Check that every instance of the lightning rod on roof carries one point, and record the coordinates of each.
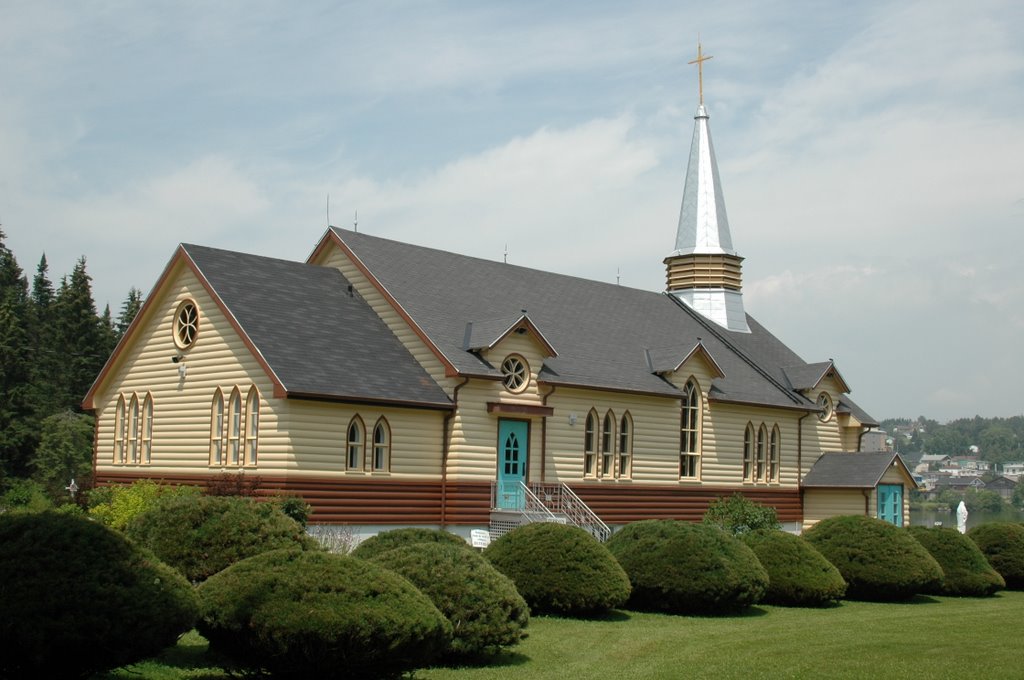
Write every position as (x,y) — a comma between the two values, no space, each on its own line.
(618,275)
(505,258)
(355,222)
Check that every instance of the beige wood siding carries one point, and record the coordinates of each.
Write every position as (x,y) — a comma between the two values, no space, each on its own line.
(821,504)
(181,408)
(319,436)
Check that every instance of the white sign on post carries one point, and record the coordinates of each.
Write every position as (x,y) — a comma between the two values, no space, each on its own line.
(480,538)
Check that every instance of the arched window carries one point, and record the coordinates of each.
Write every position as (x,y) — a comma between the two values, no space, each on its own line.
(608,445)
(762,442)
(356,442)
(773,455)
(252,425)
(132,435)
(589,443)
(748,453)
(689,432)
(381,446)
(234,426)
(625,445)
(119,428)
(147,429)
(217,429)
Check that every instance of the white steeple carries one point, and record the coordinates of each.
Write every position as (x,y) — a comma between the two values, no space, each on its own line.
(704,269)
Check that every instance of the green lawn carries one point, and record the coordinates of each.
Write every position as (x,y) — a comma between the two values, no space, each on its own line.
(927,638)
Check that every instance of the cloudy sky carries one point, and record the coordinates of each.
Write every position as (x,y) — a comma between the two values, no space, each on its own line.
(871,154)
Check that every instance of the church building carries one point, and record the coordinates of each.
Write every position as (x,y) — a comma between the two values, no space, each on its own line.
(392,384)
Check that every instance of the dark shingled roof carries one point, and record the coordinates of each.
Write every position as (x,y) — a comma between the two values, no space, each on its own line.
(319,340)
(861,470)
(604,333)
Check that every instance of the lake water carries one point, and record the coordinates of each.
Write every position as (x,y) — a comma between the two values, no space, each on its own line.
(948,519)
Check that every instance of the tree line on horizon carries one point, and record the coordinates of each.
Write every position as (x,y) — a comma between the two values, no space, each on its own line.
(999,440)
(53,344)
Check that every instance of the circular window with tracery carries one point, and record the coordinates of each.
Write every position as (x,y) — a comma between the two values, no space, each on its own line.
(515,373)
(825,407)
(186,324)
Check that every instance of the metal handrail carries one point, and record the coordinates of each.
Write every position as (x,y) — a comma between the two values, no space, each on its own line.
(561,499)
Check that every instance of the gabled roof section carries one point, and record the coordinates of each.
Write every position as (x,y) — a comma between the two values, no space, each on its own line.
(312,335)
(665,361)
(600,329)
(860,470)
(809,376)
(484,335)
(319,338)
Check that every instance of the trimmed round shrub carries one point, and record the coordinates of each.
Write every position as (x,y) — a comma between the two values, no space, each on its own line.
(302,614)
(879,561)
(77,598)
(687,568)
(201,535)
(965,571)
(482,604)
(560,569)
(399,538)
(1002,543)
(798,575)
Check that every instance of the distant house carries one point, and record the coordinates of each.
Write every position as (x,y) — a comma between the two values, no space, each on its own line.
(935,460)
(1004,486)
(1013,469)
(972,463)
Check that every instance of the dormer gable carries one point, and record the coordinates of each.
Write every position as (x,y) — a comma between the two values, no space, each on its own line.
(813,377)
(665,361)
(483,336)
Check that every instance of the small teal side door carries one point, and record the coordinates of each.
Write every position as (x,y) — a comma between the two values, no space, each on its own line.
(890,503)
(513,445)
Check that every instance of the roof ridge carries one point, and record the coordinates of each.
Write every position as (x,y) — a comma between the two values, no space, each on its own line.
(736,350)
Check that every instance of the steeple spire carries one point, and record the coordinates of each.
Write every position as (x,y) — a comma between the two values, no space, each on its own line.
(704,270)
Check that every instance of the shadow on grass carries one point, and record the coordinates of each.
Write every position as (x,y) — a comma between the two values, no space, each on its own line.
(499,660)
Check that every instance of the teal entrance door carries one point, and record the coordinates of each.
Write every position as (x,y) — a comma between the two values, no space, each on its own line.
(890,503)
(513,440)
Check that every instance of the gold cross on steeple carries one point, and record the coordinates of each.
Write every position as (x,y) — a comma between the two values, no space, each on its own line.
(699,61)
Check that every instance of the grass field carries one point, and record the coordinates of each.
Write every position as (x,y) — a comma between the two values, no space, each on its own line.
(926,638)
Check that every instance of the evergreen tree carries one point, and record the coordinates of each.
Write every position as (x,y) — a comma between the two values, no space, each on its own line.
(17,435)
(45,388)
(129,309)
(84,343)
(108,333)
(64,453)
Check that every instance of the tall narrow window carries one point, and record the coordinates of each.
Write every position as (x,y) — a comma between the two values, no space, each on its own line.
(589,442)
(608,445)
(381,446)
(689,432)
(773,455)
(234,426)
(762,437)
(133,429)
(252,425)
(217,429)
(119,428)
(748,453)
(147,429)
(625,445)
(354,456)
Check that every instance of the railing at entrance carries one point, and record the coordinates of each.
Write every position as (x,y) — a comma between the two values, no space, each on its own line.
(541,502)
(560,499)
